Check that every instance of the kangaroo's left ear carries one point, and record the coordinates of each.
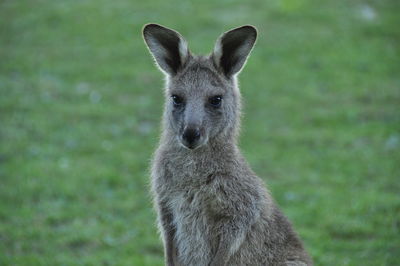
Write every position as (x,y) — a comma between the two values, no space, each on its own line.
(232,49)
(167,46)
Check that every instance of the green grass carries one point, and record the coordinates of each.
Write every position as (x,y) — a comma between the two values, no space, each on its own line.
(80,106)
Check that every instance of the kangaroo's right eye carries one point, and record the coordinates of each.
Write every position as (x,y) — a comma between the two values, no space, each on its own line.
(177,100)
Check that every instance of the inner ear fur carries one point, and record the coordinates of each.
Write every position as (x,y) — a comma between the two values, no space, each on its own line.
(167,46)
(232,49)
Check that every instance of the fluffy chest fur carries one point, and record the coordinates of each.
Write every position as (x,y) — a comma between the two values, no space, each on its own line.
(189,198)
(191,220)
(209,196)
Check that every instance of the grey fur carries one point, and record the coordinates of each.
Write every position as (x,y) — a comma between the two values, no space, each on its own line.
(212,209)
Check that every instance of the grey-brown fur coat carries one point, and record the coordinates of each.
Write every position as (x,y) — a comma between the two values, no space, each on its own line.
(212,209)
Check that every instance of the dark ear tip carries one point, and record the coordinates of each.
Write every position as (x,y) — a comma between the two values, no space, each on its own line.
(251,29)
(246,31)
(151,26)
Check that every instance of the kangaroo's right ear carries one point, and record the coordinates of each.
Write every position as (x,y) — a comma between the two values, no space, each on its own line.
(167,46)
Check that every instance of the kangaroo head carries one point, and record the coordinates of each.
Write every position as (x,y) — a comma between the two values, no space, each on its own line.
(202,98)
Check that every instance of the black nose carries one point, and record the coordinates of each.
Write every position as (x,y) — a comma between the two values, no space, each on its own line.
(191,135)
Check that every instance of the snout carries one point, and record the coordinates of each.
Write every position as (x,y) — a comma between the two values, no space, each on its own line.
(191,137)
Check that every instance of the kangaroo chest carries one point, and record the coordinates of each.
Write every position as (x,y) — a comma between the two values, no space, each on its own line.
(188,200)
(192,228)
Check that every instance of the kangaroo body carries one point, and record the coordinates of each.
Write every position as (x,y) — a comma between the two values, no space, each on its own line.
(212,209)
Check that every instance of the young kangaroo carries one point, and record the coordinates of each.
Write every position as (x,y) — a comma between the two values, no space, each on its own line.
(212,209)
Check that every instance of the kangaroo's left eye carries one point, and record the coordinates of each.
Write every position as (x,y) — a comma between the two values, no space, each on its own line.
(215,101)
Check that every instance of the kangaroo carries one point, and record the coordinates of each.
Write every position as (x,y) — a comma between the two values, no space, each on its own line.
(212,208)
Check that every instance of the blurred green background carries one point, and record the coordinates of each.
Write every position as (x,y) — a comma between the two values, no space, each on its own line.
(80,106)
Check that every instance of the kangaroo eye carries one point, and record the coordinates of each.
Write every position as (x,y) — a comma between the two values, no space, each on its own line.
(177,100)
(215,100)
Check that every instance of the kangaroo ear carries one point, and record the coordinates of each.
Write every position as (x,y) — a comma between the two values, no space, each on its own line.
(167,46)
(232,49)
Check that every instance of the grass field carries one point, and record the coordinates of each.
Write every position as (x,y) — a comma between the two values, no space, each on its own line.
(80,106)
